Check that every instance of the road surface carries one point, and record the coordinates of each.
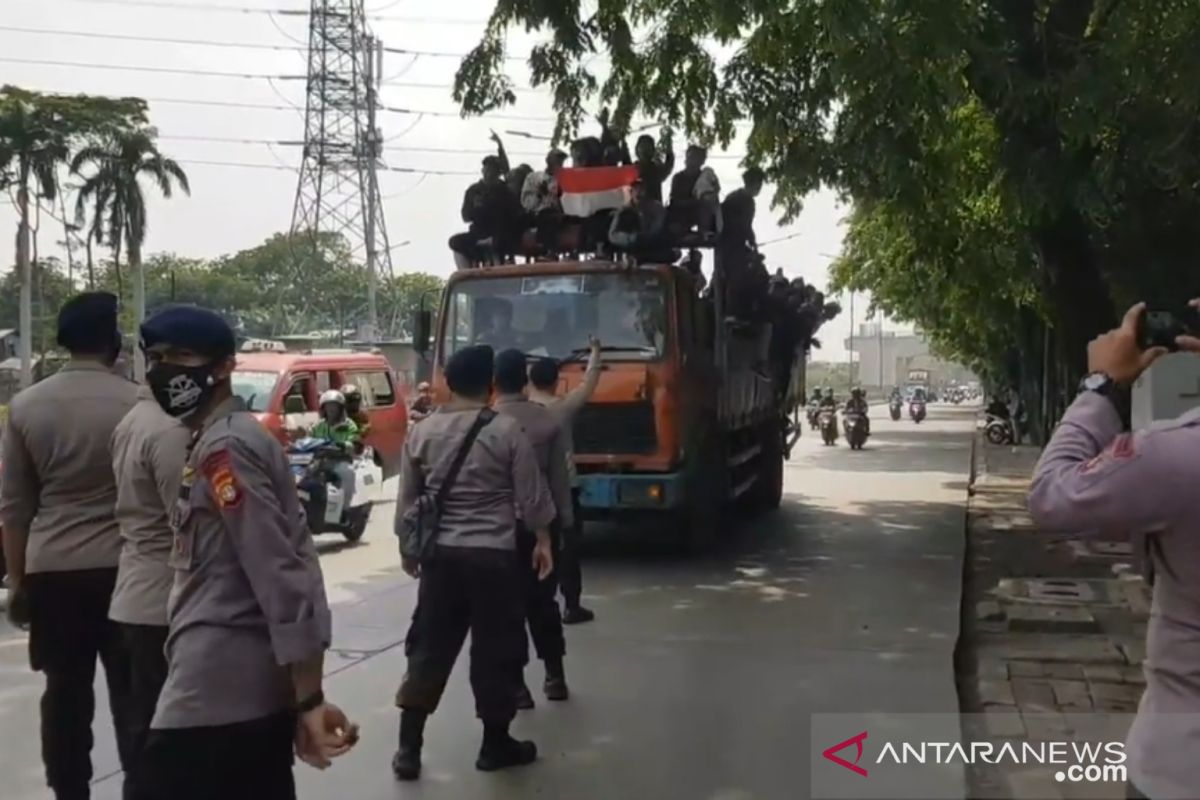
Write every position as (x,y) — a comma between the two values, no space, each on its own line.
(697,680)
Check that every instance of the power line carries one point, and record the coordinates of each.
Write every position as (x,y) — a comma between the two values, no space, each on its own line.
(160,70)
(153,39)
(191,6)
(283,168)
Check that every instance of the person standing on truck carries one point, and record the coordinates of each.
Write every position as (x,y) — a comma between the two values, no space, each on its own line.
(62,540)
(549,442)
(149,452)
(653,171)
(543,375)
(472,582)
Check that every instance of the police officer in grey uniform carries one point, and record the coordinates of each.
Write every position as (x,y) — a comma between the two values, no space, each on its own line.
(549,440)
(473,582)
(149,451)
(249,623)
(61,538)
(1094,477)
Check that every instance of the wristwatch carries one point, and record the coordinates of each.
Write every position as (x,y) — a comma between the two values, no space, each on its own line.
(313,701)
(1098,382)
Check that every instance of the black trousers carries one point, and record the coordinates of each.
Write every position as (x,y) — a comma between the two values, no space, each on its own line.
(570,573)
(243,761)
(147,673)
(467,589)
(69,629)
(541,609)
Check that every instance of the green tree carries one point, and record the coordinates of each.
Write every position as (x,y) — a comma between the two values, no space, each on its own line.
(1092,106)
(49,289)
(118,164)
(37,135)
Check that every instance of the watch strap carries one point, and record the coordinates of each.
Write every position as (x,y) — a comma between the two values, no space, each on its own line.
(313,701)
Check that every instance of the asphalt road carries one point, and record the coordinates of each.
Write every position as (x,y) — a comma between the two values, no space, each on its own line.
(698,679)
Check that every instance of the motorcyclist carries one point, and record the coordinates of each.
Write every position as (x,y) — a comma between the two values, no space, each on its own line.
(827,399)
(857,404)
(337,427)
(355,412)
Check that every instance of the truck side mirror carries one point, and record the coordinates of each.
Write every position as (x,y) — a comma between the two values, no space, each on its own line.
(422,330)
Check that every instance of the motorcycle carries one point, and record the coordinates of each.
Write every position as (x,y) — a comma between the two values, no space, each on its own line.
(895,407)
(829,428)
(916,411)
(856,430)
(321,494)
(999,430)
(814,413)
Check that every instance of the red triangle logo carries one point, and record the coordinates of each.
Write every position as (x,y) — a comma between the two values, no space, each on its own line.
(857,741)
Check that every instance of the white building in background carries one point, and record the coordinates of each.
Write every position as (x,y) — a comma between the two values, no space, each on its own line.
(885,357)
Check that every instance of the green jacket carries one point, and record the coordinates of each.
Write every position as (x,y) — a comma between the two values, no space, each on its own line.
(344,432)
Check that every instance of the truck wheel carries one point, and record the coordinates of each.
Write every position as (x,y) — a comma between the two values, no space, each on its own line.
(768,490)
(698,521)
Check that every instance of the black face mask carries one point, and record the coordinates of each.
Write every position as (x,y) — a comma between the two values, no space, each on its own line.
(181,390)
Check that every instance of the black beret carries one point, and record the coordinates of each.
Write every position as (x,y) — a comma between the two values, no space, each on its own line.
(87,320)
(190,328)
(469,370)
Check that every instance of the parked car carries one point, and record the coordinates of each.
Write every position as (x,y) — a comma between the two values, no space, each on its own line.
(282,389)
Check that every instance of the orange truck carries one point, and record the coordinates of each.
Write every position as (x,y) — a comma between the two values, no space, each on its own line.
(686,419)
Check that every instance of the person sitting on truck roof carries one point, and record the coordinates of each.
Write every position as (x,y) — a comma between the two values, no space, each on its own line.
(542,200)
(652,170)
(494,215)
(695,195)
(638,227)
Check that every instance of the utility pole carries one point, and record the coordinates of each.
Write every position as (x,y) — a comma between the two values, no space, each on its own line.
(25,315)
(850,371)
(338,191)
(880,351)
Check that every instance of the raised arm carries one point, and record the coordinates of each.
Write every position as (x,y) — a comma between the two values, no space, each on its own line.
(578,397)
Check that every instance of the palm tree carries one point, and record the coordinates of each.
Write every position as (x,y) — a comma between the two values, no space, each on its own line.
(119,207)
(32,146)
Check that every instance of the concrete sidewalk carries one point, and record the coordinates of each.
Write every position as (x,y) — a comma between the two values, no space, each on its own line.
(1054,625)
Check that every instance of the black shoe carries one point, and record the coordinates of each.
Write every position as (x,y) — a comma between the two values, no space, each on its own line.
(574,615)
(555,686)
(524,698)
(501,753)
(406,763)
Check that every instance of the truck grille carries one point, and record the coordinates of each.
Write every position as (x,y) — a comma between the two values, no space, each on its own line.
(615,429)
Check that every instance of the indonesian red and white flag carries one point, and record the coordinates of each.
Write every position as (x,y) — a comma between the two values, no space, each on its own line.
(586,190)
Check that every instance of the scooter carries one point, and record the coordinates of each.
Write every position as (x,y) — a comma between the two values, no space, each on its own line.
(829,428)
(916,410)
(814,413)
(894,408)
(999,430)
(856,430)
(320,490)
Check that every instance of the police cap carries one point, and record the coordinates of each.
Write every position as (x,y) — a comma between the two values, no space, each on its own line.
(190,328)
(88,322)
(469,371)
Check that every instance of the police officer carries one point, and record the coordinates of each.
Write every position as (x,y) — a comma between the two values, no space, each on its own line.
(249,623)
(473,581)
(543,377)
(62,541)
(550,446)
(1094,477)
(149,451)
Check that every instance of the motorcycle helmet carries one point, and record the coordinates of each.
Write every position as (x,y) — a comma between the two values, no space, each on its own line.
(351,393)
(332,396)
(857,393)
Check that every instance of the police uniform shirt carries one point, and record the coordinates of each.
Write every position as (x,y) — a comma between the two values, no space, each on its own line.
(149,451)
(549,441)
(1092,477)
(499,478)
(249,596)
(58,475)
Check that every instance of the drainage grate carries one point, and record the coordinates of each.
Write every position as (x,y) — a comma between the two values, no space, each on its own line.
(1061,589)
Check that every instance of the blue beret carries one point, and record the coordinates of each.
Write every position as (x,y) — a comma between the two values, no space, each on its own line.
(190,328)
(87,320)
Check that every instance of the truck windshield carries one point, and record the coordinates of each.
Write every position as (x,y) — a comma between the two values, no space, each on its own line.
(255,388)
(555,315)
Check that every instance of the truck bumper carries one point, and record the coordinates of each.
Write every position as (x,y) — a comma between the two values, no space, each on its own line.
(621,492)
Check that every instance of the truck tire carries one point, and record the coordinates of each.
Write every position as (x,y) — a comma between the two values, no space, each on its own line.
(699,520)
(768,489)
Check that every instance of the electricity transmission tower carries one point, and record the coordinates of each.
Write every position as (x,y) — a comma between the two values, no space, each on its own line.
(338,191)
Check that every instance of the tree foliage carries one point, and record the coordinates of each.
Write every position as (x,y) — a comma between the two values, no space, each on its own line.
(1006,158)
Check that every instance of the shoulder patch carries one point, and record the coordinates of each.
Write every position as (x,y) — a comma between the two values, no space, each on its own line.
(218,469)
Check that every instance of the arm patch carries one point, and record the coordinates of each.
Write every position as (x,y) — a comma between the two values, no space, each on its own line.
(226,490)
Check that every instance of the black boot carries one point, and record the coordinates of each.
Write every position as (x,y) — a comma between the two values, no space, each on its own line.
(556,681)
(406,764)
(577,615)
(500,750)
(524,697)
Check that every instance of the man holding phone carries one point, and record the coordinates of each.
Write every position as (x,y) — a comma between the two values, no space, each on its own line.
(1095,477)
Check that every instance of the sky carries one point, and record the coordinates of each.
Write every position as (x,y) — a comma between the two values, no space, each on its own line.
(243,191)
